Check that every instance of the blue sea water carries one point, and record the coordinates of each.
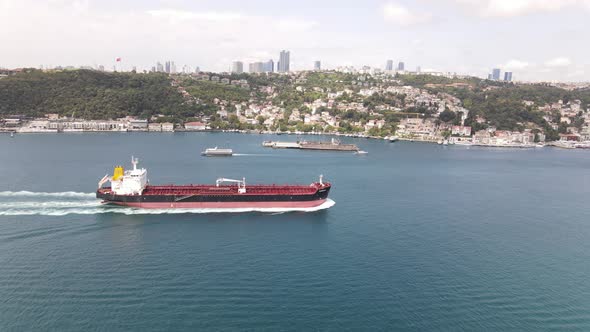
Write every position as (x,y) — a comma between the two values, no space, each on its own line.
(422,237)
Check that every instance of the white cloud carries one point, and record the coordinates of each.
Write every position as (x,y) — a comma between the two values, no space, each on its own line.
(401,15)
(295,25)
(142,36)
(515,65)
(558,62)
(510,8)
(182,15)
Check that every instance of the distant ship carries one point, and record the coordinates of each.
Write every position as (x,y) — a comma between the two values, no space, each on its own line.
(333,145)
(216,152)
(131,188)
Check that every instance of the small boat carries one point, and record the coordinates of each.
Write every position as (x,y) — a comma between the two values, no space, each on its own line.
(446,142)
(268,144)
(12,134)
(439,142)
(361,152)
(216,152)
(393,139)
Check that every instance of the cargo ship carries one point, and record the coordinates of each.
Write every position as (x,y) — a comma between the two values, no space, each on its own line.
(131,188)
(333,145)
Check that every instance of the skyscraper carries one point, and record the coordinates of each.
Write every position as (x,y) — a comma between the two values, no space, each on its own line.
(237,67)
(418,69)
(401,66)
(317,65)
(159,67)
(269,66)
(389,65)
(172,67)
(167,65)
(284,61)
(257,67)
(508,76)
(496,74)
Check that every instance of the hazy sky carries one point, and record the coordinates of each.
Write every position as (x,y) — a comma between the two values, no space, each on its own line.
(536,39)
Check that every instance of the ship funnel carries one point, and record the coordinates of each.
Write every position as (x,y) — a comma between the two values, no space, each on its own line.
(118,173)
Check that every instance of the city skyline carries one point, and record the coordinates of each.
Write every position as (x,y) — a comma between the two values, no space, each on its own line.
(494,34)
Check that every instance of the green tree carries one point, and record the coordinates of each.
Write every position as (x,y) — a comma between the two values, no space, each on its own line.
(447,116)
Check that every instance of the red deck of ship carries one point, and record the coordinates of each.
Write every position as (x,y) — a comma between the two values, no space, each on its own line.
(178,190)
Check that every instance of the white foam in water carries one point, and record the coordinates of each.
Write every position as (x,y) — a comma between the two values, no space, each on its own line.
(49,204)
(61,208)
(43,194)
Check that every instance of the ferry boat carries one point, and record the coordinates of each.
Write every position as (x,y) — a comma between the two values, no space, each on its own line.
(216,152)
(131,188)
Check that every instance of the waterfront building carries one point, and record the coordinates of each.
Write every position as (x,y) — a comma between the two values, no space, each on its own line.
(237,67)
(138,124)
(155,126)
(508,76)
(461,130)
(167,126)
(284,62)
(496,74)
(389,65)
(195,126)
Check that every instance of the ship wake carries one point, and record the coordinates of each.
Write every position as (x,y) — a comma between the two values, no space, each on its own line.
(27,203)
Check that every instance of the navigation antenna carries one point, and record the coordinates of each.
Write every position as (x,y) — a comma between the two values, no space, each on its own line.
(134,161)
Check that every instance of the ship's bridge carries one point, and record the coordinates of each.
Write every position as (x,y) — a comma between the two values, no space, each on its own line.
(131,182)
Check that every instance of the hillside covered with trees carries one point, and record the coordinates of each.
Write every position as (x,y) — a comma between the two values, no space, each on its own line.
(90,94)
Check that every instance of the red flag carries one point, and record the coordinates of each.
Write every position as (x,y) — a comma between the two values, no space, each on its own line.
(118,59)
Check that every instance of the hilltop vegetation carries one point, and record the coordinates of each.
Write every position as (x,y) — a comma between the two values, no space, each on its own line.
(90,94)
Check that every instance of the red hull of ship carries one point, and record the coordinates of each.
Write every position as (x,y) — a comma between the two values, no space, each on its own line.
(222,205)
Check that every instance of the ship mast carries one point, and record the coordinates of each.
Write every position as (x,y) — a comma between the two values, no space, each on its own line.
(134,161)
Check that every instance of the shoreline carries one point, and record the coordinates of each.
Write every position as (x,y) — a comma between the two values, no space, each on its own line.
(555,144)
